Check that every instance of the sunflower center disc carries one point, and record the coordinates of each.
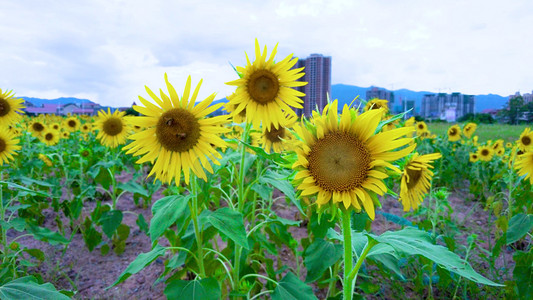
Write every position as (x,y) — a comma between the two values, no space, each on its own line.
(484,152)
(85,153)
(263,86)
(420,126)
(526,141)
(178,130)
(414,177)
(38,127)
(275,135)
(3,146)
(339,162)
(71,123)
(4,107)
(113,126)
(453,132)
(49,136)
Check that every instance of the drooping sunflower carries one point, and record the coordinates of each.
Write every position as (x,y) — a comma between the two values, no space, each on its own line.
(454,133)
(485,153)
(524,165)
(469,129)
(265,89)
(45,159)
(474,157)
(10,108)
(112,128)
(72,124)
(344,162)
(525,142)
(416,178)
(421,127)
(8,145)
(377,104)
(50,137)
(177,134)
(37,128)
(280,139)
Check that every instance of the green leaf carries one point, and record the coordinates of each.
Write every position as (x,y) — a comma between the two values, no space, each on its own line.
(110,220)
(47,235)
(91,237)
(104,178)
(166,211)
(140,263)
(230,223)
(28,288)
(319,256)
(134,188)
(413,241)
(25,190)
(204,289)
(523,273)
(37,253)
(519,225)
(141,222)
(291,287)
(280,182)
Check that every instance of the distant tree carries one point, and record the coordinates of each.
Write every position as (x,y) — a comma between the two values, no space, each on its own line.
(419,118)
(528,109)
(513,111)
(477,118)
(469,117)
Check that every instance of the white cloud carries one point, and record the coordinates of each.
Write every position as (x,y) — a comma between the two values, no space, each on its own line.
(109,50)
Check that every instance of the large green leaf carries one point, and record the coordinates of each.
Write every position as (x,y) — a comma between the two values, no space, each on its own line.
(412,241)
(110,220)
(280,182)
(47,235)
(134,188)
(230,223)
(140,263)
(166,211)
(519,225)
(291,287)
(205,289)
(28,288)
(319,256)
(523,273)
(24,190)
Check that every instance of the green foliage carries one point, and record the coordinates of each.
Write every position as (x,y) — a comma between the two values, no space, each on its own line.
(28,288)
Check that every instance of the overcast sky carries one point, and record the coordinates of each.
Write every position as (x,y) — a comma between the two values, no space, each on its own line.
(108,50)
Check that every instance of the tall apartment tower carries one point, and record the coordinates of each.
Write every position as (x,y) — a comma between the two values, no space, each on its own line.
(446,106)
(318,77)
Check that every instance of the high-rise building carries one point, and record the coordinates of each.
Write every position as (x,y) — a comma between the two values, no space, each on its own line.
(380,93)
(318,77)
(448,107)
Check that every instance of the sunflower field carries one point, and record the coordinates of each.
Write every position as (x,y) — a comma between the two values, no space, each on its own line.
(256,203)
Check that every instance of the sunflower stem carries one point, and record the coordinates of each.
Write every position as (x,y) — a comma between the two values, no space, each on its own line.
(347,285)
(2,215)
(197,233)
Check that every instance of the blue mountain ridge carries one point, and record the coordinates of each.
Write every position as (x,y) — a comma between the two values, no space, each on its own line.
(343,92)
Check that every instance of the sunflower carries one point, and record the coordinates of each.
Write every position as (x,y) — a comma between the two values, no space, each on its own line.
(421,127)
(485,153)
(415,181)
(55,126)
(8,145)
(50,137)
(85,128)
(454,133)
(10,108)
(72,124)
(45,159)
(37,128)
(265,89)
(280,139)
(344,162)
(377,104)
(86,153)
(469,129)
(500,151)
(497,145)
(65,134)
(524,165)
(474,157)
(525,142)
(112,128)
(230,108)
(508,145)
(177,134)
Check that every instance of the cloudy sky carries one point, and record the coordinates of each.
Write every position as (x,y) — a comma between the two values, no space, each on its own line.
(108,50)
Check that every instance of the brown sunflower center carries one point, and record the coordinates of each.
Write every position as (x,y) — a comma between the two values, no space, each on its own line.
(526,140)
(484,152)
(178,130)
(420,126)
(453,131)
(113,126)
(3,146)
(5,108)
(38,127)
(414,177)
(339,162)
(49,136)
(85,153)
(71,123)
(56,127)
(263,86)
(275,135)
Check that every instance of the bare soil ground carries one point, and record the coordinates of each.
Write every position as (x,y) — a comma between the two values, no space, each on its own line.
(90,273)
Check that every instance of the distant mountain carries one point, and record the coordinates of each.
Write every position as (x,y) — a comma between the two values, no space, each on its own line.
(346,93)
(62,100)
